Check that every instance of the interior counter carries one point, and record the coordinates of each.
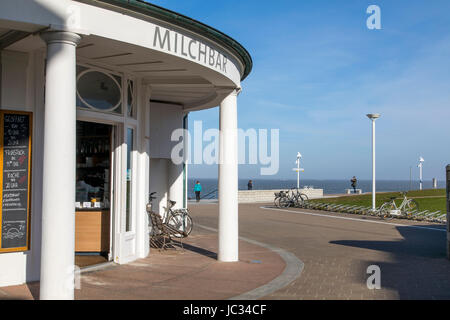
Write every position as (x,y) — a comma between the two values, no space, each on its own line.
(92,230)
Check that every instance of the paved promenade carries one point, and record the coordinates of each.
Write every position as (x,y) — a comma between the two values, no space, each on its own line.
(193,273)
(336,250)
(288,254)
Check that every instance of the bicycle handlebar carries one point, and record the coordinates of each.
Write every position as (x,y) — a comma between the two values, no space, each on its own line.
(151,197)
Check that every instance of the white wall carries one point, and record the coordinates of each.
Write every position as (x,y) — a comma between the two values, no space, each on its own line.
(164,119)
(166,178)
(22,90)
(159,170)
(14,81)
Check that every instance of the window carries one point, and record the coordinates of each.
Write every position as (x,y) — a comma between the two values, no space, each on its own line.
(130,99)
(129,178)
(99,90)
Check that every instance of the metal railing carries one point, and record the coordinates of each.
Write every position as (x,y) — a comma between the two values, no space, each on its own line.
(210,195)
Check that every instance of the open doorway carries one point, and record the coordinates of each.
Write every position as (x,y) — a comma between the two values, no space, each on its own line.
(93,193)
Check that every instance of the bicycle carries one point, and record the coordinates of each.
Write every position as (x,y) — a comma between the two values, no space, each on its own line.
(290,198)
(298,197)
(285,200)
(180,219)
(389,210)
(278,197)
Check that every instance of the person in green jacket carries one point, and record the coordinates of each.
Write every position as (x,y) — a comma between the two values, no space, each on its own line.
(197,189)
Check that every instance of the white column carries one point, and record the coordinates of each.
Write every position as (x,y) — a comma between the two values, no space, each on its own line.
(58,203)
(143,176)
(228,180)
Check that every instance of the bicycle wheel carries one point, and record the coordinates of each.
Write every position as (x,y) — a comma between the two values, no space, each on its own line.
(299,201)
(181,221)
(188,223)
(385,209)
(276,202)
(304,197)
(410,206)
(284,202)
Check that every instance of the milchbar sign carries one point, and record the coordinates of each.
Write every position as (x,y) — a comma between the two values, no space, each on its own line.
(15,180)
(179,44)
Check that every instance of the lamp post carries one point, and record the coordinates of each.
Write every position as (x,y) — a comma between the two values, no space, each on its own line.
(298,169)
(420,165)
(373,117)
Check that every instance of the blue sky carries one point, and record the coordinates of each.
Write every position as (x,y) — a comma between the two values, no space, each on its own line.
(318,71)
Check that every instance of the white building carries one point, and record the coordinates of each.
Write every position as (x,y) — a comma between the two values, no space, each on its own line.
(91,91)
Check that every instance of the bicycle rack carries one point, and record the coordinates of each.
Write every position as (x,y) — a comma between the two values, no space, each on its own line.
(435,216)
(417,213)
(428,214)
(441,216)
(356,209)
(344,209)
(432,216)
(337,207)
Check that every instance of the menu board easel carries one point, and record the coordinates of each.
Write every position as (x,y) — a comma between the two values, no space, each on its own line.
(15,180)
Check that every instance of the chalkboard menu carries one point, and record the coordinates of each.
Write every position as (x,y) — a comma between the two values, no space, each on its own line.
(15,180)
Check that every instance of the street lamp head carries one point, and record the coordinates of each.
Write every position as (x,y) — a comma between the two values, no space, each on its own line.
(373,116)
(299,155)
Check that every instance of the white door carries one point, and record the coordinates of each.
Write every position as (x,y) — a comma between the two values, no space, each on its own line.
(125,184)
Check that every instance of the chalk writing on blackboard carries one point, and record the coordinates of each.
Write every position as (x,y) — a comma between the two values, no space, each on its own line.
(15,172)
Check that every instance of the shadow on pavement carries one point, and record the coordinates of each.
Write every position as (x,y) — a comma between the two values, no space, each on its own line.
(199,250)
(175,245)
(418,268)
(416,242)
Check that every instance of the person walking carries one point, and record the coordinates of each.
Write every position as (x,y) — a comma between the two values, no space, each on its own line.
(353,181)
(250,185)
(197,189)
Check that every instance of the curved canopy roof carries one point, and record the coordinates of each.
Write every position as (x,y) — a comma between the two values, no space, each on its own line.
(180,20)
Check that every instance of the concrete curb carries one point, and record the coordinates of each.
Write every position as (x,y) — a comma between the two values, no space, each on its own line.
(293,270)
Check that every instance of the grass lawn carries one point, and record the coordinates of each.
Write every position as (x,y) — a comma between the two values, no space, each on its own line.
(432,199)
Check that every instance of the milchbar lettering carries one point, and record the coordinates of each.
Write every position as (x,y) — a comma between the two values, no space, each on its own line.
(190,49)
(161,41)
(200,52)
(166,39)
(212,54)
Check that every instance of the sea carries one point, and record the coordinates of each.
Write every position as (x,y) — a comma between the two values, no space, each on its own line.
(209,186)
